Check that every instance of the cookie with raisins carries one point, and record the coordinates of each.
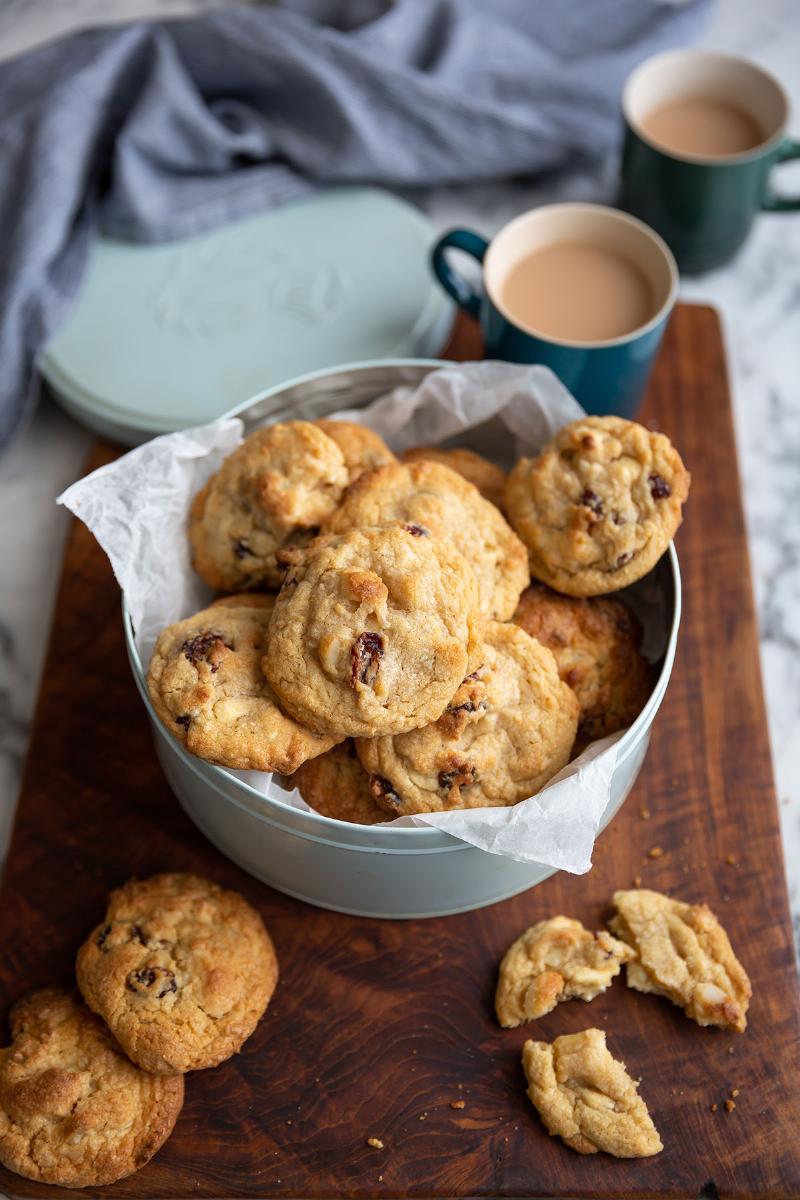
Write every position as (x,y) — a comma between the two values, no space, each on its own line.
(373,631)
(207,687)
(599,506)
(507,730)
(73,1109)
(272,491)
(180,970)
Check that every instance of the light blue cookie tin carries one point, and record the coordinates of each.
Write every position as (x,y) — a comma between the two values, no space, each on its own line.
(166,336)
(372,871)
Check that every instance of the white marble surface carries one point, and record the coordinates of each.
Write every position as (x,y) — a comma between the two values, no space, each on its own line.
(759,297)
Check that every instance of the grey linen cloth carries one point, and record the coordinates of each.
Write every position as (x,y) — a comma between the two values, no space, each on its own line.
(150,132)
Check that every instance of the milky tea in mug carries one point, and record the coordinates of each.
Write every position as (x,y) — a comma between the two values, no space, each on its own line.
(578,291)
(702,125)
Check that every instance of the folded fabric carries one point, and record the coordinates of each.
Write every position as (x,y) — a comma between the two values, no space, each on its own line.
(153,132)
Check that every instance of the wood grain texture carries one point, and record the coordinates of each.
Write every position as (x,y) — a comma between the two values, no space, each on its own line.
(376,1027)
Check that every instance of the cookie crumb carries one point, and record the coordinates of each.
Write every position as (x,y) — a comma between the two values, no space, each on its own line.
(423,1116)
(637,881)
(375,1143)
(731,860)
(730,1105)
(645,814)
(734,1093)
(457,1104)
(380,1179)
(655,852)
(713,1107)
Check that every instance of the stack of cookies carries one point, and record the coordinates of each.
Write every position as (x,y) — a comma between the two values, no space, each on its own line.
(179,972)
(377,636)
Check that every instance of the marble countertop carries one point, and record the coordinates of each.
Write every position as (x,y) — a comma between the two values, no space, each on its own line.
(758,296)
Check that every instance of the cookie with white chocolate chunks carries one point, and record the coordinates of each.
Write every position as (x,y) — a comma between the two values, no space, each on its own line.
(489,479)
(507,730)
(336,785)
(586,1097)
(599,505)
(683,953)
(362,448)
(274,489)
(552,961)
(181,971)
(73,1109)
(373,631)
(595,642)
(438,502)
(208,688)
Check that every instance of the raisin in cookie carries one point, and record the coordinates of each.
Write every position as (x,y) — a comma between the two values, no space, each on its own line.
(362,448)
(552,961)
(683,953)
(73,1109)
(373,631)
(180,970)
(586,1097)
(283,481)
(484,475)
(336,785)
(208,689)
(595,643)
(432,499)
(507,730)
(599,505)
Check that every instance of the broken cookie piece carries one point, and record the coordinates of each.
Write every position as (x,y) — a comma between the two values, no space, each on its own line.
(586,1097)
(683,953)
(552,961)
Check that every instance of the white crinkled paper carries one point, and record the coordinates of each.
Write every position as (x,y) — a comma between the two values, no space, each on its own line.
(137,508)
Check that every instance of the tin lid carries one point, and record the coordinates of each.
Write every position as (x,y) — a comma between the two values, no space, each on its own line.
(166,336)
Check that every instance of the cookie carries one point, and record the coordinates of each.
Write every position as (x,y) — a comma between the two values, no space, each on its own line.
(506,731)
(683,953)
(208,689)
(362,448)
(599,506)
(73,1109)
(436,500)
(336,785)
(595,643)
(484,475)
(373,631)
(264,600)
(180,970)
(586,1097)
(281,483)
(552,961)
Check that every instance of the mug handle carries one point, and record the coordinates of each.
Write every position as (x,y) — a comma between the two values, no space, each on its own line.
(772,202)
(472,243)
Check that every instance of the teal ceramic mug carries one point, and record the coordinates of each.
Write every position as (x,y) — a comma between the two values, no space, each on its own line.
(605,375)
(703,204)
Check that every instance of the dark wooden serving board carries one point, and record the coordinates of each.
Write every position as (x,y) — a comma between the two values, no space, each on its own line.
(378,1026)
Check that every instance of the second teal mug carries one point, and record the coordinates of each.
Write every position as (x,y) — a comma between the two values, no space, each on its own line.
(703,205)
(605,376)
